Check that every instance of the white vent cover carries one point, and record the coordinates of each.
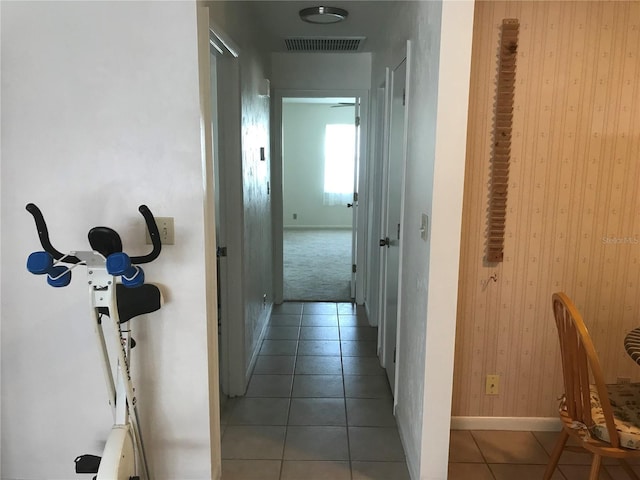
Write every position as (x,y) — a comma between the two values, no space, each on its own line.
(323,44)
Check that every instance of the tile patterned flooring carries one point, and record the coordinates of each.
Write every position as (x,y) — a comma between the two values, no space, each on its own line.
(500,455)
(318,407)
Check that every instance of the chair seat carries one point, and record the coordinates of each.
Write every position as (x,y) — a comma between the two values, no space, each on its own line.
(625,402)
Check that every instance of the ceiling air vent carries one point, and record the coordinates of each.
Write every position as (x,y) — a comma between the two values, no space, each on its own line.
(323,44)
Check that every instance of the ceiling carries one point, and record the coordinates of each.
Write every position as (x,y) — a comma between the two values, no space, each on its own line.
(368,19)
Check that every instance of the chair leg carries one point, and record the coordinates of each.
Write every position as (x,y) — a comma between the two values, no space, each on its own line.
(627,468)
(555,455)
(595,467)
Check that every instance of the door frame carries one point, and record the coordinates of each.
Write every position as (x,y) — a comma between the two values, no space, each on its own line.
(276,184)
(231,335)
(356,213)
(205,94)
(386,350)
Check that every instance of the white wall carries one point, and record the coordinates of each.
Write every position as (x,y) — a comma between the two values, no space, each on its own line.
(100,114)
(321,71)
(437,106)
(256,175)
(253,198)
(446,221)
(303,138)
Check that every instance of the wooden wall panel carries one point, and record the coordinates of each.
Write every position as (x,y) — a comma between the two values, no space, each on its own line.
(573,210)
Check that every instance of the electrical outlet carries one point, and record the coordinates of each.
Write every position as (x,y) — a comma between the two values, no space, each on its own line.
(491,387)
(166,230)
(295,216)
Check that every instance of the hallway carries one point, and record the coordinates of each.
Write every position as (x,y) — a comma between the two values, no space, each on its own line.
(318,405)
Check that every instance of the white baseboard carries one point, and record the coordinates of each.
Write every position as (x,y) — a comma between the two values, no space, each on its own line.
(412,459)
(528,424)
(266,315)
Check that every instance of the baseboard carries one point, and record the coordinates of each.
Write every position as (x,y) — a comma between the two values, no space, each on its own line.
(266,316)
(413,463)
(528,424)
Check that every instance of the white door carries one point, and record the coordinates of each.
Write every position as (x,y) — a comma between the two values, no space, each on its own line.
(225,96)
(220,223)
(377,204)
(393,221)
(354,203)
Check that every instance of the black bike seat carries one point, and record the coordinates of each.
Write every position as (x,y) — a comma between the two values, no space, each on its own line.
(132,302)
(105,240)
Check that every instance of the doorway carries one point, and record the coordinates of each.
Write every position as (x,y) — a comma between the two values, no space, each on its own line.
(392,221)
(316,176)
(226,145)
(318,165)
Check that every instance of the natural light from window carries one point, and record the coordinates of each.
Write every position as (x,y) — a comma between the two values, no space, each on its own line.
(339,163)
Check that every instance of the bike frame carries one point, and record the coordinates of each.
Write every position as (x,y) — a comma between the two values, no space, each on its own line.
(120,389)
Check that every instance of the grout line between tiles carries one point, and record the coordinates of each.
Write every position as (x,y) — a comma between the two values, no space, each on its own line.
(293,379)
(290,399)
(344,399)
(475,441)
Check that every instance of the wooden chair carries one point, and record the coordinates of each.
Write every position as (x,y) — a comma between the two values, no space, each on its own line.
(603,418)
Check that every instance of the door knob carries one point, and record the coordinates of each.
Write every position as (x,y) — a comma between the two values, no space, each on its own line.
(384,242)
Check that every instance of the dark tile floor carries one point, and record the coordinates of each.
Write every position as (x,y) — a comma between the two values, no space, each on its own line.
(318,405)
(501,455)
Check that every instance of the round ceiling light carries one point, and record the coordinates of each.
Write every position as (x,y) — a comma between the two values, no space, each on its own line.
(323,15)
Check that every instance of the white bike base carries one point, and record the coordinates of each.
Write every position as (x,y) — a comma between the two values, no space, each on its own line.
(118,459)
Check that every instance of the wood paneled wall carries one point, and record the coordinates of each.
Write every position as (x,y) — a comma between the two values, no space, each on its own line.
(573,209)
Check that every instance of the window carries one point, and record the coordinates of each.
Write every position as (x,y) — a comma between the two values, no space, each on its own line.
(339,163)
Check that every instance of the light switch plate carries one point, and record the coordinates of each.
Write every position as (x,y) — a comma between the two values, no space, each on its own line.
(166,230)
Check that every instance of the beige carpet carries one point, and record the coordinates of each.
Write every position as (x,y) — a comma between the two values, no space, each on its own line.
(317,265)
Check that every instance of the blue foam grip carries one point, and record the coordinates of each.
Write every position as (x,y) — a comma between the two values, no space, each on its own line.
(59,276)
(135,279)
(119,264)
(39,263)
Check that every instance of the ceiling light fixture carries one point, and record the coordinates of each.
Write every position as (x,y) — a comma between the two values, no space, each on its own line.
(323,15)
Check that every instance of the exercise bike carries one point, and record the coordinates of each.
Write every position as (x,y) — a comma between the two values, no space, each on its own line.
(124,456)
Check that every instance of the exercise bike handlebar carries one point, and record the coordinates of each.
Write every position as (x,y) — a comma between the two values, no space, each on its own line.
(43,235)
(152,227)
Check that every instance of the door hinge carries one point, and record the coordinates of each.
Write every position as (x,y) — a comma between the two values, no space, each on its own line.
(353,268)
(394,355)
(355,197)
(357,121)
(398,231)
(222,252)
(404,96)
